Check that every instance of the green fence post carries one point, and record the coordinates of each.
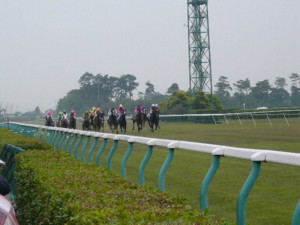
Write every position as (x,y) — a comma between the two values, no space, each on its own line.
(90,154)
(125,158)
(65,148)
(296,216)
(248,185)
(52,135)
(59,137)
(88,138)
(77,146)
(48,136)
(111,154)
(41,134)
(163,170)
(207,180)
(62,140)
(99,154)
(56,132)
(75,135)
(144,164)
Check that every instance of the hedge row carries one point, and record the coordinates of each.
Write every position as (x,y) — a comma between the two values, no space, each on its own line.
(21,141)
(54,188)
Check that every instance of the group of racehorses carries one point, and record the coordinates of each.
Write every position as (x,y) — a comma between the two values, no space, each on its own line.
(96,122)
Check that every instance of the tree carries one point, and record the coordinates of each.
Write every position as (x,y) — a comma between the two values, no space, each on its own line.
(37,111)
(150,90)
(124,86)
(223,87)
(280,82)
(295,79)
(172,88)
(243,86)
(86,79)
(279,97)
(201,101)
(295,96)
(261,92)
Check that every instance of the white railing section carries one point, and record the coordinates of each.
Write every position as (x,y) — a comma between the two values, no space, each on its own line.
(57,136)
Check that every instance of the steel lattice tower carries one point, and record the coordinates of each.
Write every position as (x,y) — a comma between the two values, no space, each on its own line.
(199,46)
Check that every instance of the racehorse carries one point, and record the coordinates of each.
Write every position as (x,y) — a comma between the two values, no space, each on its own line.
(72,122)
(112,122)
(86,123)
(99,121)
(122,123)
(64,123)
(144,119)
(92,126)
(137,118)
(58,122)
(49,122)
(154,121)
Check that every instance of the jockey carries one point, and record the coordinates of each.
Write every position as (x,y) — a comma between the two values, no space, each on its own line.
(112,111)
(157,108)
(121,110)
(154,109)
(92,111)
(60,115)
(143,109)
(73,113)
(138,109)
(98,110)
(48,114)
(86,115)
(65,114)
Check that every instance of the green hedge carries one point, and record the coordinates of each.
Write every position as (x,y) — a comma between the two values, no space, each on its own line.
(54,188)
(21,141)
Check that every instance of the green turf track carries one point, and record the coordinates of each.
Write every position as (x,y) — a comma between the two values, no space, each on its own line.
(273,198)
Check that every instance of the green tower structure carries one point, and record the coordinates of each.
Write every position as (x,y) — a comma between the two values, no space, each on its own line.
(200,78)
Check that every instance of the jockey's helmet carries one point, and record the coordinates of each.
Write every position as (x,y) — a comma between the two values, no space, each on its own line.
(120,105)
(65,111)
(49,113)
(72,111)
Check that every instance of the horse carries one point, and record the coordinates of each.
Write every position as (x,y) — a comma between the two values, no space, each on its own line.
(144,119)
(58,122)
(154,121)
(137,118)
(99,121)
(86,123)
(72,122)
(112,122)
(49,122)
(92,125)
(122,123)
(64,123)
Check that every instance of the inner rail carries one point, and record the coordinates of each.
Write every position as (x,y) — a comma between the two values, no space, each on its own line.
(57,137)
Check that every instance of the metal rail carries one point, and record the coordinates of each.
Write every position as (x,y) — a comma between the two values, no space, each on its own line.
(59,137)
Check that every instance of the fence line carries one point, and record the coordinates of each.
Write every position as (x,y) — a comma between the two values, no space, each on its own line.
(59,138)
(285,114)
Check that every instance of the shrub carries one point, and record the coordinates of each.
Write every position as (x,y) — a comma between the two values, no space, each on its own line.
(54,188)
(21,141)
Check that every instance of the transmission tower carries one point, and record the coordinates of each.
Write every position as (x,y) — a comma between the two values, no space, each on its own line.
(199,47)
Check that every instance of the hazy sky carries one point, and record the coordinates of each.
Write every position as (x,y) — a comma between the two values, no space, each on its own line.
(46,45)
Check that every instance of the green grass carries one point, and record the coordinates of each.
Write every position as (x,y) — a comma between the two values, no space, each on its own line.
(276,193)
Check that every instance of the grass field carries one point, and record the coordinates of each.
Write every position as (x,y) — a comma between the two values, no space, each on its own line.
(273,198)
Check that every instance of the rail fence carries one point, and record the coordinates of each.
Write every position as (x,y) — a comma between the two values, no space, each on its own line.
(227,118)
(72,141)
